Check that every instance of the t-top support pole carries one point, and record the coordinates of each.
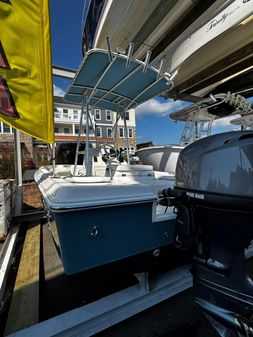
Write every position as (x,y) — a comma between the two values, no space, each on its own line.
(53,158)
(79,136)
(88,166)
(126,137)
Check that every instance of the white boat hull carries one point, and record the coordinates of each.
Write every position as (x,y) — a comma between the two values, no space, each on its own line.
(162,158)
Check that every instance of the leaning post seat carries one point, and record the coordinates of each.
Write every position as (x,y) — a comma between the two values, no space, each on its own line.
(213,194)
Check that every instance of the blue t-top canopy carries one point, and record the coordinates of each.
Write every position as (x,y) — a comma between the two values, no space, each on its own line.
(115,84)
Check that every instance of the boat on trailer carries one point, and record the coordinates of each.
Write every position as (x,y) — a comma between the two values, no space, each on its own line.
(114,215)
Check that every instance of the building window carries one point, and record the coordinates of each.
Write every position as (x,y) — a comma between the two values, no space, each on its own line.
(130,133)
(126,114)
(66,130)
(57,115)
(98,132)
(56,130)
(76,131)
(6,128)
(97,114)
(121,132)
(75,114)
(65,113)
(109,132)
(108,115)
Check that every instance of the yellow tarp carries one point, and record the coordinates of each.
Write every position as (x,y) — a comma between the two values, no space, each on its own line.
(26,91)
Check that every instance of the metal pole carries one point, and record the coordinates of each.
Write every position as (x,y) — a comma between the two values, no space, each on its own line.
(53,156)
(79,137)
(18,158)
(18,173)
(147,59)
(129,54)
(87,166)
(115,131)
(126,138)
(109,49)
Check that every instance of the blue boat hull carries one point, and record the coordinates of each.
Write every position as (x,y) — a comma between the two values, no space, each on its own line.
(96,236)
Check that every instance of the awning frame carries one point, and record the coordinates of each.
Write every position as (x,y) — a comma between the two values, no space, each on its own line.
(154,82)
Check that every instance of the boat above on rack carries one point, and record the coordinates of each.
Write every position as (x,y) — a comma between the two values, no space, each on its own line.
(208,42)
(112,215)
(199,117)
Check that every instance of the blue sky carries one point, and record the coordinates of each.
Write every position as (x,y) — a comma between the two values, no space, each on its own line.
(152,118)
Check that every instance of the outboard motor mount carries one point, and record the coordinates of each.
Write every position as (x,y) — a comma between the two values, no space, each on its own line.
(213,195)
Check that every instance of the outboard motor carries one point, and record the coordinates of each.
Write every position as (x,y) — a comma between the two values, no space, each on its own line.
(213,195)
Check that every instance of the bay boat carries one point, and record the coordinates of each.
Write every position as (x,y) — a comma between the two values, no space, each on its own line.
(111,216)
(161,157)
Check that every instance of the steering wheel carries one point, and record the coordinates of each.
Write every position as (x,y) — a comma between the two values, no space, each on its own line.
(108,152)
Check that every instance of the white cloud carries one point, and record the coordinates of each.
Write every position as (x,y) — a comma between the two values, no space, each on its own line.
(58,91)
(154,107)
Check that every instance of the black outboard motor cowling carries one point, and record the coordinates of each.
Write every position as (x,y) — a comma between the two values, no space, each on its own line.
(214,198)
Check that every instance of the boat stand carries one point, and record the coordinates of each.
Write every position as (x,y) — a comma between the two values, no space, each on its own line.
(95,317)
(89,319)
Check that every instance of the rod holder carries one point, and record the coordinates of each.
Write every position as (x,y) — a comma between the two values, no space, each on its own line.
(248,106)
(109,49)
(146,62)
(129,54)
(160,68)
(173,75)
(213,98)
(227,97)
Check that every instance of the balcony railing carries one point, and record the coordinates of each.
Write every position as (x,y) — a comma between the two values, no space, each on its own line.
(69,118)
(72,134)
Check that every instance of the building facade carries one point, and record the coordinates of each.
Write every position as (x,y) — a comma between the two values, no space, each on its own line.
(66,121)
